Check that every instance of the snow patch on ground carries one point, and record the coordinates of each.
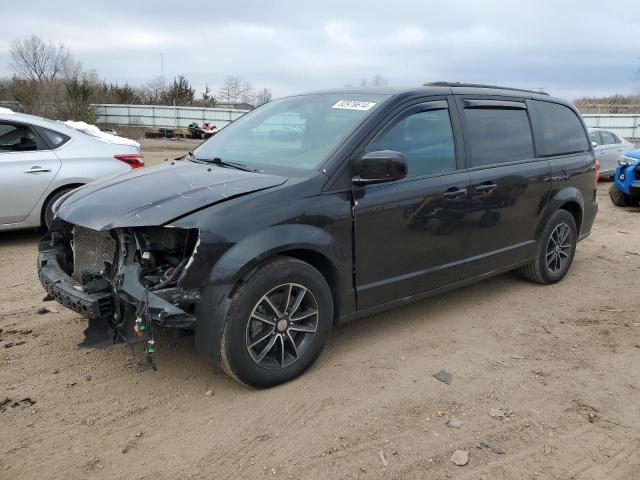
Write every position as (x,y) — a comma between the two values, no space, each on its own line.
(100,135)
(7,111)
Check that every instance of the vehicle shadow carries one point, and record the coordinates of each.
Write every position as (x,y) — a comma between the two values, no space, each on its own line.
(180,355)
(15,238)
(358,333)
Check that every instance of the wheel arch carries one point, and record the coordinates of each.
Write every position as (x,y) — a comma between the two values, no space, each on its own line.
(58,189)
(307,243)
(324,265)
(576,211)
(569,199)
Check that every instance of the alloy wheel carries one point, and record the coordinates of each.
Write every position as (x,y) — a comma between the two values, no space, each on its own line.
(282,326)
(559,248)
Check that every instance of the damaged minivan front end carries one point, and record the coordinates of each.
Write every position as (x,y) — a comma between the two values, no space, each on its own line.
(124,279)
(115,254)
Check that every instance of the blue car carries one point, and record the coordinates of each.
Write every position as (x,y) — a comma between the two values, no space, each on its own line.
(625,190)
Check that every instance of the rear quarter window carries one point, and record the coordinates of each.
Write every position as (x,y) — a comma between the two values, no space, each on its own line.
(561,130)
(55,139)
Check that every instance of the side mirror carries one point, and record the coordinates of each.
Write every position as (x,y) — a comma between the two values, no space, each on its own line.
(595,144)
(379,167)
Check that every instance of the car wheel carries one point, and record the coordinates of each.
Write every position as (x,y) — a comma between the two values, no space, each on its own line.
(277,323)
(47,214)
(555,250)
(618,197)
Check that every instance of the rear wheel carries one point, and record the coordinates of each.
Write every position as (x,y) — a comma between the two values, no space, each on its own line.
(47,213)
(555,250)
(277,324)
(618,197)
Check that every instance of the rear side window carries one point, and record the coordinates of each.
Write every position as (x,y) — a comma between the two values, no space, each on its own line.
(561,129)
(498,135)
(55,139)
(607,138)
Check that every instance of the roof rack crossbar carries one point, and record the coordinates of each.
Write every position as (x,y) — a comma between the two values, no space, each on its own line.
(479,85)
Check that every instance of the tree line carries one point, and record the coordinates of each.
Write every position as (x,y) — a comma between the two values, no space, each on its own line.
(610,104)
(49,82)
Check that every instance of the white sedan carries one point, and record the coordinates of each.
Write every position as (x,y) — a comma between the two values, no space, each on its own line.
(41,160)
(609,148)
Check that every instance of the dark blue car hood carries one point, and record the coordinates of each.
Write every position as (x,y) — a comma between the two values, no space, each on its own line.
(157,195)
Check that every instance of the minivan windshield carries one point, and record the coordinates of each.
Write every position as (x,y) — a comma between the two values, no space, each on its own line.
(289,136)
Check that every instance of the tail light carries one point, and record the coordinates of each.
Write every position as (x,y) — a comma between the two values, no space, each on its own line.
(134,160)
(597,171)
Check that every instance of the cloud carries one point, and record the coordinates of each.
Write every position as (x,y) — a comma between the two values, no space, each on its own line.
(292,46)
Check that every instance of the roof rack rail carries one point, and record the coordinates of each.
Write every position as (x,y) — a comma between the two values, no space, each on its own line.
(479,85)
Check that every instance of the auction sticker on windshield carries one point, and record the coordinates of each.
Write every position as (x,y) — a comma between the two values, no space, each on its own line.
(353,105)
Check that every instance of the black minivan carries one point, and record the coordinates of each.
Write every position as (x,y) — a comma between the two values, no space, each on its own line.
(319,208)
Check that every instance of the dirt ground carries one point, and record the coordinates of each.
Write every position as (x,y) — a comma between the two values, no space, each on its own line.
(559,364)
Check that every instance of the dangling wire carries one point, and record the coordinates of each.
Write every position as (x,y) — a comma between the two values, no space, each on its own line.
(151,343)
(143,328)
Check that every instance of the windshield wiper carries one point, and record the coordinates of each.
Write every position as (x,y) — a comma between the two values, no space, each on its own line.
(224,163)
(227,163)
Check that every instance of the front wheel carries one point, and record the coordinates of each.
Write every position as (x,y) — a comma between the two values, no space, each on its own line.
(278,322)
(618,197)
(555,250)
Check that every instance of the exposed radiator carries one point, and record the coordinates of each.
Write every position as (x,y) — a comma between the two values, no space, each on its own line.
(91,249)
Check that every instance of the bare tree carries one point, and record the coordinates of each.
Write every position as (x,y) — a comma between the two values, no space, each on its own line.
(33,59)
(379,81)
(231,90)
(376,81)
(247,94)
(263,96)
(154,91)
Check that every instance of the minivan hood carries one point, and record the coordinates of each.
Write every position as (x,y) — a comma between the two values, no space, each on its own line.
(156,195)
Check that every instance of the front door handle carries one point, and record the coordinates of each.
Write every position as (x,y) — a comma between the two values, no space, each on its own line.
(37,169)
(485,187)
(455,193)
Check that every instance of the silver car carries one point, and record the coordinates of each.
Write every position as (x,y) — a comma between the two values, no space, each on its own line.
(609,148)
(41,160)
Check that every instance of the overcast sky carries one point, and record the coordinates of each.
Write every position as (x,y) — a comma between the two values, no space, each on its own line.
(569,48)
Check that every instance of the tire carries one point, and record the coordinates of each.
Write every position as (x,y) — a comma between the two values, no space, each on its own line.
(47,211)
(552,261)
(252,325)
(618,197)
